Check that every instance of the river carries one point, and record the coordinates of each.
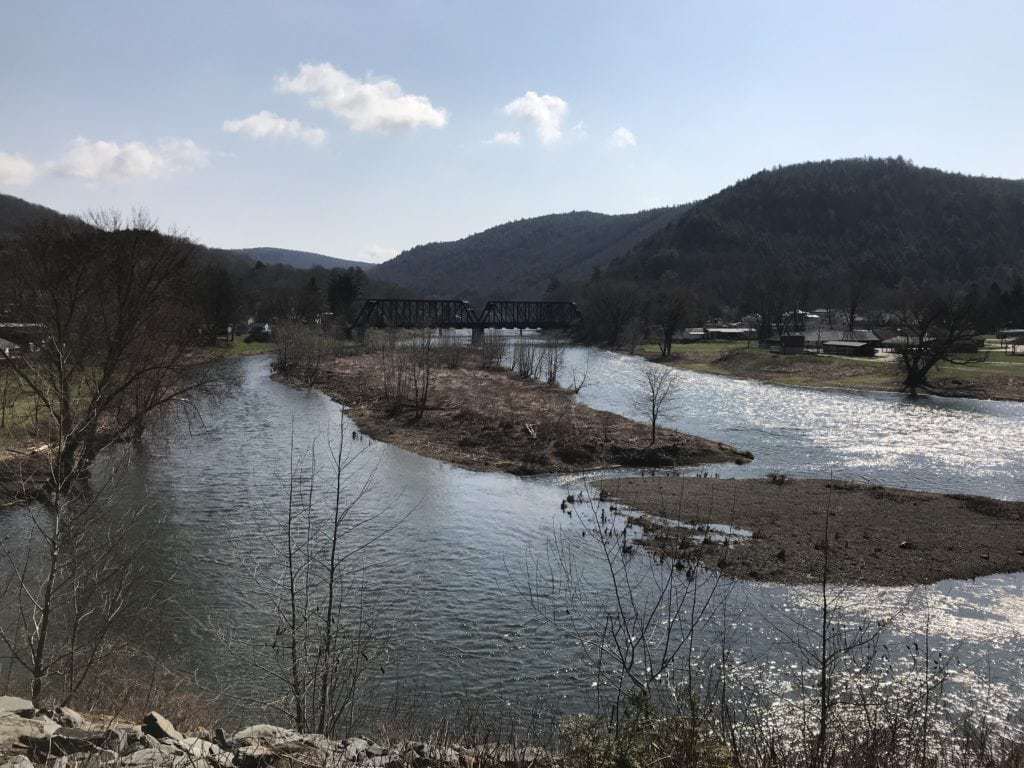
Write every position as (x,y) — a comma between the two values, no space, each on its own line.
(447,572)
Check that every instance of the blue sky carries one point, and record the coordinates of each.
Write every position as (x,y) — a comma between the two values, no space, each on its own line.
(421,121)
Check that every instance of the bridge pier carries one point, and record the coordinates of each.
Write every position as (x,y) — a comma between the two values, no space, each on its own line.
(477,336)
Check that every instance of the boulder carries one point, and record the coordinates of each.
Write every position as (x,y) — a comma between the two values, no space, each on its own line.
(14,728)
(71,741)
(160,755)
(16,705)
(254,756)
(262,734)
(67,717)
(160,727)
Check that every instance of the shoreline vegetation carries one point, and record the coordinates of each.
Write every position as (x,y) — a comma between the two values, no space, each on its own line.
(491,419)
(878,535)
(998,377)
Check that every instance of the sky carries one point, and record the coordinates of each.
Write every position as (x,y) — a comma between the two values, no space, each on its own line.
(361,129)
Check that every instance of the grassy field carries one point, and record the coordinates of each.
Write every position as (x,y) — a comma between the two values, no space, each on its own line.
(238,348)
(998,376)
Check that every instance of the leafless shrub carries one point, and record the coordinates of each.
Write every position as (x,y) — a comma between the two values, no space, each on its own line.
(302,351)
(527,361)
(493,349)
(315,669)
(552,360)
(452,351)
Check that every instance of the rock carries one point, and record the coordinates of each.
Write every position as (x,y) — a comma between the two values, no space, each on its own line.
(263,734)
(137,740)
(375,750)
(160,755)
(99,759)
(16,705)
(223,741)
(18,761)
(14,728)
(254,756)
(160,727)
(72,741)
(66,717)
(201,749)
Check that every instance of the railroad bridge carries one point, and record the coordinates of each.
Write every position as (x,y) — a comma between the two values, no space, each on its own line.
(456,313)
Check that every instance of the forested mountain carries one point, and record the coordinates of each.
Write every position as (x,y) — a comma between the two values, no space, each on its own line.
(299,259)
(522,259)
(233,284)
(833,225)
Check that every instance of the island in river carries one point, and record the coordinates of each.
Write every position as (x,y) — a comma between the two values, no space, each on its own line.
(490,419)
(876,535)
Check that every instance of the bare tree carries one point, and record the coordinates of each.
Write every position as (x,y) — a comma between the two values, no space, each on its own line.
(671,310)
(934,328)
(658,395)
(68,589)
(115,300)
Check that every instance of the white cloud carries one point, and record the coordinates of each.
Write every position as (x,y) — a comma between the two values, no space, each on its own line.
(15,170)
(266,124)
(622,138)
(108,160)
(546,112)
(364,104)
(505,137)
(376,253)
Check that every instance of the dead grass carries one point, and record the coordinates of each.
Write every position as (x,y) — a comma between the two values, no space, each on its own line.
(998,376)
(491,420)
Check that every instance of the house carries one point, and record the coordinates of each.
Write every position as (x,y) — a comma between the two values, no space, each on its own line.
(729,333)
(818,339)
(849,348)
(791,344)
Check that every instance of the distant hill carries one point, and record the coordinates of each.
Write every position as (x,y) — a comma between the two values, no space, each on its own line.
(522,258)
(16,213)
(882,221)
(299,259)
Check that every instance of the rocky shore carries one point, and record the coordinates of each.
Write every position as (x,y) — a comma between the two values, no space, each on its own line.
(63,738)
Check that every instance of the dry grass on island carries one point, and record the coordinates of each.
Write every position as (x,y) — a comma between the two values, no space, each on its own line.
(882,536)
(482,417)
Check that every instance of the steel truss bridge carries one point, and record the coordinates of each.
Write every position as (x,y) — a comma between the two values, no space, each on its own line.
(455,313)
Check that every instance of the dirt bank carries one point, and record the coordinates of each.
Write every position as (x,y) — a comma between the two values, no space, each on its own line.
(492,420)
(878,535)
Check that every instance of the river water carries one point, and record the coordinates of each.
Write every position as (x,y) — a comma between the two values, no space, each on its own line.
(447,573)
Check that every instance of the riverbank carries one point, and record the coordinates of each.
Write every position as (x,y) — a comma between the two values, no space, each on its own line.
(881,536)
(999,377)
(489,419)
(31,737)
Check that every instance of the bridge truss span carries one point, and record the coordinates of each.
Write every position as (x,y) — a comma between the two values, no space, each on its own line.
(456,313)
